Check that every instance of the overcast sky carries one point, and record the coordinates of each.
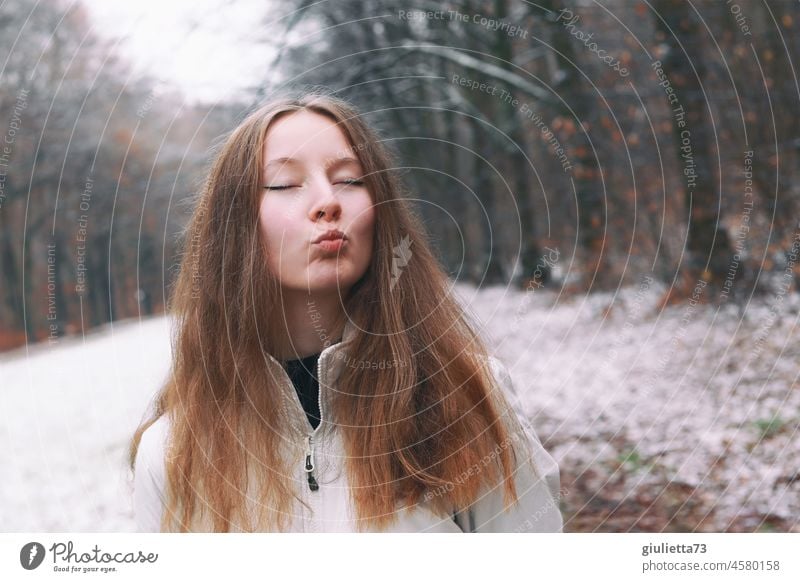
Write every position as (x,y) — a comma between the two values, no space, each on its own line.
(207,48)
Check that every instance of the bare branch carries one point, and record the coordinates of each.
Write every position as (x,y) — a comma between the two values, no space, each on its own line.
(485,68)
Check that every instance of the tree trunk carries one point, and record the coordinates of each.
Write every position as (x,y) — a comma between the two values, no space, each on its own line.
(708,245)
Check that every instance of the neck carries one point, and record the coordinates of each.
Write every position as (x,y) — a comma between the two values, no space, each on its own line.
(313,321)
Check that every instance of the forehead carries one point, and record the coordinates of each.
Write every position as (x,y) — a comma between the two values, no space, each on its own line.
(306,136)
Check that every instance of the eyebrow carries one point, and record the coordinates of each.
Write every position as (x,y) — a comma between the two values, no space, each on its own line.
(331,163)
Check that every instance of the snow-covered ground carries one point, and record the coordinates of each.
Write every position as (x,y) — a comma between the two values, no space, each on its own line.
(67,412)
(695,396)
(699,397)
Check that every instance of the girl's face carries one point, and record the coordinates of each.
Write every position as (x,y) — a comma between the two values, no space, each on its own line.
(313,186)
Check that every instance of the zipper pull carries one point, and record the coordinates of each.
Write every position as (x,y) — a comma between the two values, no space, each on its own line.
(309,468)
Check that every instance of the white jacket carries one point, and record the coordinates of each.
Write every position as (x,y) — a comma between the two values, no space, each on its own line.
(331,510)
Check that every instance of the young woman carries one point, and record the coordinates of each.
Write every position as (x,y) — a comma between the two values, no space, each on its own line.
(324,377)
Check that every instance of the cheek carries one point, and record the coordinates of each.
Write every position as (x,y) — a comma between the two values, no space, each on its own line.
(277,237)
(275,225)
(364,220)
(363,228)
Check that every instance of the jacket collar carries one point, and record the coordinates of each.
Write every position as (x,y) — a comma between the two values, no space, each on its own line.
(332,358)
(348,334)
(331,362)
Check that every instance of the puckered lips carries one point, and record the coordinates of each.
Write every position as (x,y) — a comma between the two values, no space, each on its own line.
(331,240)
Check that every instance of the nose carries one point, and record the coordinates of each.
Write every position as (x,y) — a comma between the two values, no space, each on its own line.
(326,204)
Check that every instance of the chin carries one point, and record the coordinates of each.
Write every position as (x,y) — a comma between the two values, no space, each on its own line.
(332,283)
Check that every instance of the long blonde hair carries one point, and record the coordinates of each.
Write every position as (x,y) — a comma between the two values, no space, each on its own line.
(406,428)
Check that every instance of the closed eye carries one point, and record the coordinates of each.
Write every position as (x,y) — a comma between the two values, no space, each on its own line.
(279,187)
(346,182)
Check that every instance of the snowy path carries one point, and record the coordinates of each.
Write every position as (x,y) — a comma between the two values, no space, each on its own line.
(66,415)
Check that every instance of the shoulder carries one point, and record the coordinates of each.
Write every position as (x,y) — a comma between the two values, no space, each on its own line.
(511,400)
(153,442)
(536,476)
(504,381)
(149,475)
(501,374)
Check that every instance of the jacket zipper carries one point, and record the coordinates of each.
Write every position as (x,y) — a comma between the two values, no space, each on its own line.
(309,468)
(309,465)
